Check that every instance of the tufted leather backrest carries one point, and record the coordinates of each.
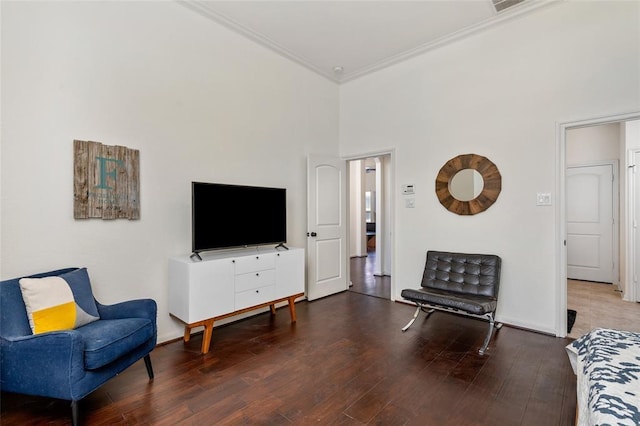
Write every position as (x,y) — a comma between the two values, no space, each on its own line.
(477,274)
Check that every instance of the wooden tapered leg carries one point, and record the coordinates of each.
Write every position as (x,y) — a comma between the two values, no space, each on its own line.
(206,337)
(208,323)
(292,308)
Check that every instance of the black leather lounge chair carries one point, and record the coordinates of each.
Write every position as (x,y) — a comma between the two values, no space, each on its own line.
(459,283)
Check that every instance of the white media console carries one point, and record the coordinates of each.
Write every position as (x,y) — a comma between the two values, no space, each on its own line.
(232,282)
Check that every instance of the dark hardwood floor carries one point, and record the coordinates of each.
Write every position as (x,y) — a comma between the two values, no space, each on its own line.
(363,281)
(345,361)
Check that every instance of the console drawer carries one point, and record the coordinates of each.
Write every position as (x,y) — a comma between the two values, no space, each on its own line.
(254,296)
(255,279)
(255,263)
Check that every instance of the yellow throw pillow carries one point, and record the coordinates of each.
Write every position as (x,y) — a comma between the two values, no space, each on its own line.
(51,306)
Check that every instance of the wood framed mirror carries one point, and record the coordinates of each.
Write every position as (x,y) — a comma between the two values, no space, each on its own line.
(468,184)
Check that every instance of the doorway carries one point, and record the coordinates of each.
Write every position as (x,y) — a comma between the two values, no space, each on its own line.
(370,194)
(592,219)
(616,151)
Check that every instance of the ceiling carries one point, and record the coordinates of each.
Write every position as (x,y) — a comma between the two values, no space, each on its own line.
(343,40)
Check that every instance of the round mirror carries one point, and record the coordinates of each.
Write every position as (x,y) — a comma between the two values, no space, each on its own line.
(466,185)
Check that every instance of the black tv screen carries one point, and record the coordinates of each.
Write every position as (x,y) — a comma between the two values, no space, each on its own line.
(226,216)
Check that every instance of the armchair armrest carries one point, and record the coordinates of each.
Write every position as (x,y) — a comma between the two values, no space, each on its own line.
(58,356)
(141,308)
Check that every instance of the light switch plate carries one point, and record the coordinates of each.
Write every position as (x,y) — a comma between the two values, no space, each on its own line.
(410,203)
(543,199)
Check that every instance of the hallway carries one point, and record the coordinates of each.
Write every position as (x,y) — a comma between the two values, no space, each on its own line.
(364,282)
(600,305)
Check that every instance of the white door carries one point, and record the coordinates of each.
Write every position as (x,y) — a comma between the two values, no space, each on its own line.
(326,226)
(590,223)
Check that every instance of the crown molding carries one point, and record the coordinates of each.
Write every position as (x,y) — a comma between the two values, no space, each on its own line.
(500,18)
(202,8)
(509,14)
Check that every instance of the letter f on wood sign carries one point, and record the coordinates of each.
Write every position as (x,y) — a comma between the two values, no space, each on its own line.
(103,164)
(106,181)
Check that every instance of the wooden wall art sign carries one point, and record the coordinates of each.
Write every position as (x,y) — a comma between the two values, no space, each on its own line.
(106,181)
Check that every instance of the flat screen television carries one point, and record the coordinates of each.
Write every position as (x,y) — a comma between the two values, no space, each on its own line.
(227,216)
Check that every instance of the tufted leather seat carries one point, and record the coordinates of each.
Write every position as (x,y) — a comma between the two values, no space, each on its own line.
(459,283)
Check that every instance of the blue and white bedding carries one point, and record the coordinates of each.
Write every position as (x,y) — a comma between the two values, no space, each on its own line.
(607,365)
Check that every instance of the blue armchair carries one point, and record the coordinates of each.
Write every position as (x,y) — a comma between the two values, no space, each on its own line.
(70,364)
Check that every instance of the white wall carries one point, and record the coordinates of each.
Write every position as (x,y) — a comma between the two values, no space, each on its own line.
(632,135)
(200,103)
(592,144)
(498,94)
(370,179)
(357,231)
(386,224)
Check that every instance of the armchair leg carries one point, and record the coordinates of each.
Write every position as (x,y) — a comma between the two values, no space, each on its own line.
(492,325)
(74,413)
(147,363)
(406,327)
(415,316)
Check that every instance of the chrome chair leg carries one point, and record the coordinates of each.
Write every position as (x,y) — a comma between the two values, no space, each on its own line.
(406,327)
(489,333)
(420,308)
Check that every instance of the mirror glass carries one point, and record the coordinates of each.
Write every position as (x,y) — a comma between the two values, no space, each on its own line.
(466,185)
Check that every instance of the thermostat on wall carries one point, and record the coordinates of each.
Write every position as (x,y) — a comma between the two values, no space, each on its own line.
(407,189)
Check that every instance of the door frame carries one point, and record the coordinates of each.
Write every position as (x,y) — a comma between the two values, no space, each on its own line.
(615,212)
(561,211)
(391,196)
(633,243)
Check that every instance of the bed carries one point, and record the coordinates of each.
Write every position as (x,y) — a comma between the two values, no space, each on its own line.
(607,366)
